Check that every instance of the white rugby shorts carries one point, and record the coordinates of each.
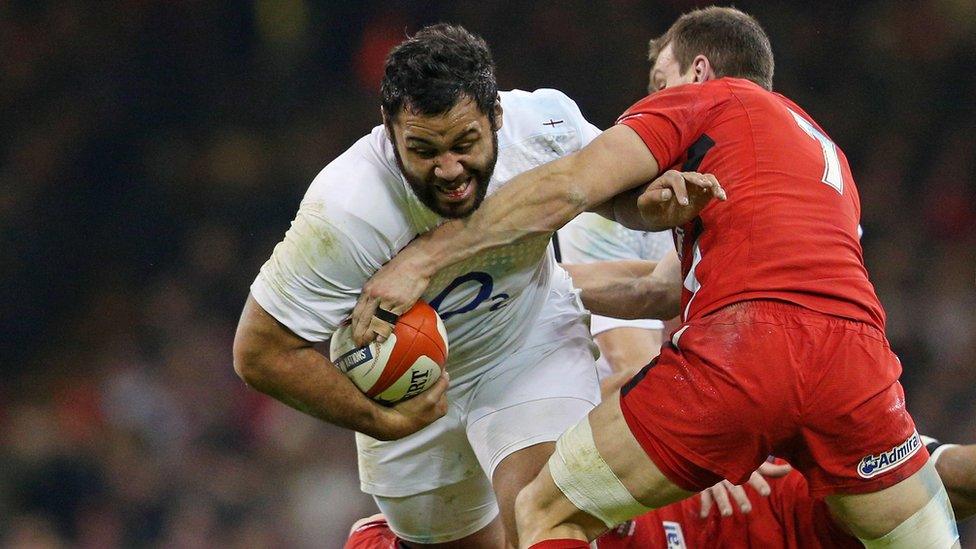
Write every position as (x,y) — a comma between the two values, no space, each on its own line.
(532,396)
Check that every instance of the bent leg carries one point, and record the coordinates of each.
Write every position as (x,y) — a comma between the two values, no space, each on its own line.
(511,475)
(915,513)
(599,476)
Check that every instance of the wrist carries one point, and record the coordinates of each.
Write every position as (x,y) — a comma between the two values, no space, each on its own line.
(431,251)
(423,261)
(386,424)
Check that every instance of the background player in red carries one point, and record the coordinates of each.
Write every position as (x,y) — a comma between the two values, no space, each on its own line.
(788,518)
(782,349)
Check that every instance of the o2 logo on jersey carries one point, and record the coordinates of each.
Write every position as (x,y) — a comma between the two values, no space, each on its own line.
(487,284)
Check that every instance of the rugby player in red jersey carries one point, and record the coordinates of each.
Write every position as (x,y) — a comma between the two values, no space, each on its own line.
(781,349)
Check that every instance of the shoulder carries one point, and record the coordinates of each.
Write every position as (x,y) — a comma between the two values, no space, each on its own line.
(542,98)
(361,192)
(687,97)
(544,111)
(366,166)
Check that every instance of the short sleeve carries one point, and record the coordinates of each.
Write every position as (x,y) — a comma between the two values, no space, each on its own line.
(671,120)
(316,273)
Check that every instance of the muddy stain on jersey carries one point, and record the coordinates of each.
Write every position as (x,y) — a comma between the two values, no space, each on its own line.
(310,242)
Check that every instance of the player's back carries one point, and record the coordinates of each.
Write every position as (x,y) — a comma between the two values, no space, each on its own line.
(789,229)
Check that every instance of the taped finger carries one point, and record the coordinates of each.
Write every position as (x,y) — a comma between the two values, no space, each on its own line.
(385,315)
(759,483)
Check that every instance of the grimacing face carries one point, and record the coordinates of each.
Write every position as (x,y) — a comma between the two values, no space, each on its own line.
(447,158)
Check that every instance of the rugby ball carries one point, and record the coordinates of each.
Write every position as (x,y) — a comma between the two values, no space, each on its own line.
(404,365)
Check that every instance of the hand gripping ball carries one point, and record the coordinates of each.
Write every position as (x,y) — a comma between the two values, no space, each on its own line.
(404,365)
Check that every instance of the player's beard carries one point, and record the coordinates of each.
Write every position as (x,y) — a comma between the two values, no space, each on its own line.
(426,189)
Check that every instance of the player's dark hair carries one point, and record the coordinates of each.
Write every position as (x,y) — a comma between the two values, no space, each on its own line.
(434,69)
(734,43)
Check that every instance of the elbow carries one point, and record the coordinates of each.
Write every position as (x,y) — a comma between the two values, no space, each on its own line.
(249,362)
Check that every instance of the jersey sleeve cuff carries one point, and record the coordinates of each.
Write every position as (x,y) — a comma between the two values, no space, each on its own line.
(288,312)
(654,145)
(600,324)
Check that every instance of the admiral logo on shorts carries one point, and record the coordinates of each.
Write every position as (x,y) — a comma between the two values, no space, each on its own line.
(354,358)
(673,534)
(874,465)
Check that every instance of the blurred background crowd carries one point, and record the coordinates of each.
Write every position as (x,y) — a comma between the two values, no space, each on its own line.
(155,151)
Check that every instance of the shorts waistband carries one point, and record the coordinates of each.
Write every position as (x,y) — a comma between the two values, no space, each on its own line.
(791,310)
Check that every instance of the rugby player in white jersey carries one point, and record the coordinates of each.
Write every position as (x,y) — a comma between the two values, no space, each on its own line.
(626,345)
(444,467)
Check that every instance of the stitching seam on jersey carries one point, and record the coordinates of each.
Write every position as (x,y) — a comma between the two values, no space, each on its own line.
(755,164)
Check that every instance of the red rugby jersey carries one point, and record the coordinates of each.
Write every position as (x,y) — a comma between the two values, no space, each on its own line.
(789,229)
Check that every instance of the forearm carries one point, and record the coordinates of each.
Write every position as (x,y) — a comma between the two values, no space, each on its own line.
(623,209)
(308,382)
(625,289)
(279,364)
(539,202)
(610,288)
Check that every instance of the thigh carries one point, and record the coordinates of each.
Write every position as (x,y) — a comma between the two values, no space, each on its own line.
(512,475)
(462,515)
(532,397)
(521,408)
(635,469)
(438,455)
(873,515)
(701,414)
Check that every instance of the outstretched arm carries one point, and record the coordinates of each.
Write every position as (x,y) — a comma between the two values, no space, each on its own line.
(536,202)
(543,199)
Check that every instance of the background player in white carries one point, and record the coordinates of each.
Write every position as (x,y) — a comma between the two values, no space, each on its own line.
(521,363)
(625,345)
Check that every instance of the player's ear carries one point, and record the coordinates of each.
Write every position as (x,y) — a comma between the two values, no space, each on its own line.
(703,69)
(497,109)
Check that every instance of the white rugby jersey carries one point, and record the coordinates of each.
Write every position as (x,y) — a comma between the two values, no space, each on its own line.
(360,211)
(591,237)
